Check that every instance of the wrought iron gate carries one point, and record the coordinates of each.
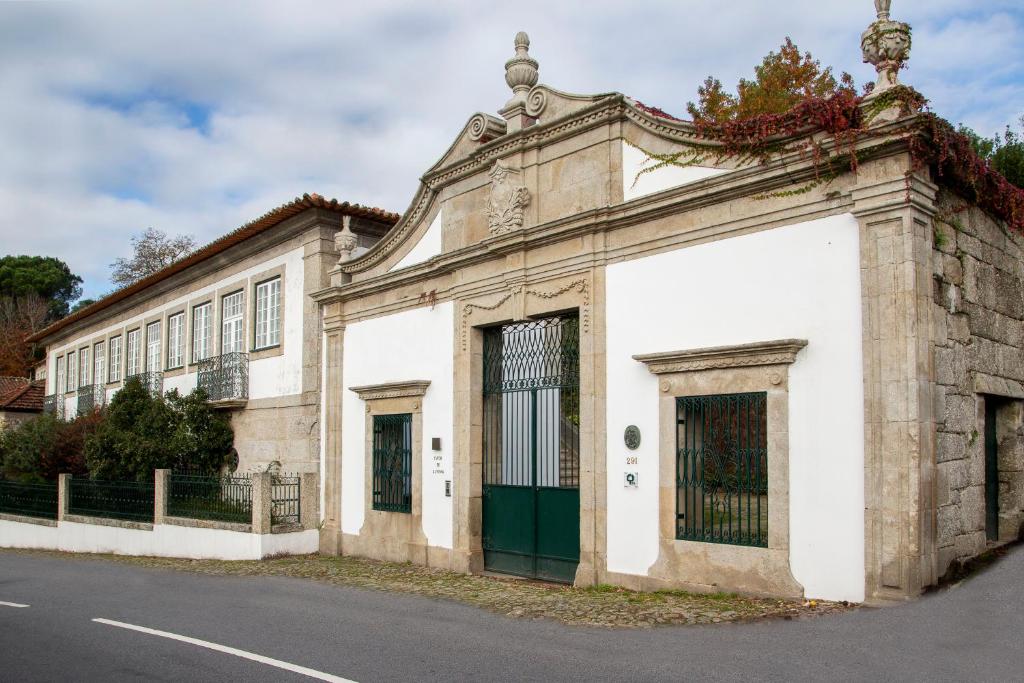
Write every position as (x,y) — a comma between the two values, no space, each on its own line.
(531,443)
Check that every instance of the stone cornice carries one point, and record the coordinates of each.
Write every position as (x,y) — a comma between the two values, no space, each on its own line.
(412,387)
(778,352)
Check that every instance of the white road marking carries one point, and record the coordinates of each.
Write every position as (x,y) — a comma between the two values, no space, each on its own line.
(312,673)
(12,604)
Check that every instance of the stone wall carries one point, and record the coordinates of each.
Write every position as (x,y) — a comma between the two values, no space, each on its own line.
(979,356)
(283,431)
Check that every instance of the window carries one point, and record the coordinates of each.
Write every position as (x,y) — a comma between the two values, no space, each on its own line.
(99,362)
(176,340)
(153,347)
(86,371)
(133,352)
(72,371)
(61,385)
(231,327)
(722,469)
(115,359)
(392,462)
(202,331)
(268,314)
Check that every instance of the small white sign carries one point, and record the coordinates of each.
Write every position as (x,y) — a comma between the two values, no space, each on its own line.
(631,480)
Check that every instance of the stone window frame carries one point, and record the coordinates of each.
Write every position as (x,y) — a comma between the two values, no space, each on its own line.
(102,381)
(72,363)
(60,361)
(87,349)
(140,347)
(222,292)
(743,368)
(255,281)
(146,323)
(168,369)
(119,335)
(398,535)
(214,339)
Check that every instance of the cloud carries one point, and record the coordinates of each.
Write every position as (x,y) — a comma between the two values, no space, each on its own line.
(196,117)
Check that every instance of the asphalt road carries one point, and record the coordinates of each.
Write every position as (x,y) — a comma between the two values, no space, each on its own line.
(972,632)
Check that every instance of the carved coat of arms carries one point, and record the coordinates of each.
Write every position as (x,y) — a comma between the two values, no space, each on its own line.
(507,201)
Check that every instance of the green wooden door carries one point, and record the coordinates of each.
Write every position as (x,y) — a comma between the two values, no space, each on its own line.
(531,497)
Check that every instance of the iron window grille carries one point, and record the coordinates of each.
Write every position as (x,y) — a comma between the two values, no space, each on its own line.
(90,397)
(54,404)
(153,382)
(285,499)
(722,469)
(392,463)
(225,376)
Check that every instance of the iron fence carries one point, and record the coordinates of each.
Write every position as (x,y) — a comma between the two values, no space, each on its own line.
(153,382)
(54,404)
(31,500)
(285,492)
(224,499)
(722,469)
(91,397)
(128,500)
(225,377)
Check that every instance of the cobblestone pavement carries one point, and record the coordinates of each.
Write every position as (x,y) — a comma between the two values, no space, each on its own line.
(598,606)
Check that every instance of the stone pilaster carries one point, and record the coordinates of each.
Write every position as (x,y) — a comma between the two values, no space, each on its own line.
(334,335)
(262,502)
(63,495)
(896,237)
(161,487)
(309,505)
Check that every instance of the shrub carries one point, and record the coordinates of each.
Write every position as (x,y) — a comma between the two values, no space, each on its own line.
(41,448)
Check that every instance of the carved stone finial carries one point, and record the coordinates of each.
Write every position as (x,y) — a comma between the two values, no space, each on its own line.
(345,241)
(507,201)
(886,45)
(521,71)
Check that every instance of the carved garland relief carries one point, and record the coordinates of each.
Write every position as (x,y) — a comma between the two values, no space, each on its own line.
(580,286)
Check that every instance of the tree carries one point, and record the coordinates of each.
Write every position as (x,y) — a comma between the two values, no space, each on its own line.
(153,250)
(1005,152)
(82,303)
(41,448)
(20,316)
(783,80)
(45,276)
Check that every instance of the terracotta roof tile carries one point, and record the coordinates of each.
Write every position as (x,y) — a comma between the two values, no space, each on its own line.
(264,222)
(22,396)
(654,111)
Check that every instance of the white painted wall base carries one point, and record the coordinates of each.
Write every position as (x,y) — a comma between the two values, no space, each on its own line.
(165,540)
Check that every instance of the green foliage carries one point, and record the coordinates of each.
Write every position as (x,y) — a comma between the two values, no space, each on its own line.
(1005,152)
(39,449)
(82,303)
(45,276)
(783,80)
(142,432)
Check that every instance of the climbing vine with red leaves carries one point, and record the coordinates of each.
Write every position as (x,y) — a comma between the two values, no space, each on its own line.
(933,143)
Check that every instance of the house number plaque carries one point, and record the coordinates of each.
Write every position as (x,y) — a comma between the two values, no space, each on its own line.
(632,437)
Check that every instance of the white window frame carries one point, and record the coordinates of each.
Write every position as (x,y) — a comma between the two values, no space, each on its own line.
(72,371)
(85,367)
(61,378)
(99,362)
(202,331)
(114,358)
(233,322)
(268,314)
(176,341)
(133,348)
(153,344)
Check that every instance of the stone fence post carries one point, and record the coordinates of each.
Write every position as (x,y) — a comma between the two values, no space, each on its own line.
(63,495)
(262,502)
(309,502)
(161,487)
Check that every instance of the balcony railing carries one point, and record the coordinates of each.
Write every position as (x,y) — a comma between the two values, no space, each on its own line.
(54,404)
(153,382)
(90,397)
(225,377)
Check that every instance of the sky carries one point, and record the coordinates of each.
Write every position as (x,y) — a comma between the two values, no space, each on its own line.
(194,118)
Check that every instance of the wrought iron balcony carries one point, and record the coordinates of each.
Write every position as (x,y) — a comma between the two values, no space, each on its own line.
(225,377)
(153,382)
(90,397)
(54,403)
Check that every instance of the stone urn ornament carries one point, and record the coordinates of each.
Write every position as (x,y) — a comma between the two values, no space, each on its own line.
(886,45)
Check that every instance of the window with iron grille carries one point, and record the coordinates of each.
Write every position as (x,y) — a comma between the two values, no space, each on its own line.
(99,362)
(153,347)
(231,323)
(176,341)
(202,331)
(114,374)
(72,371)
(268,313)
(722,469)
(392,463)
(132,351)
